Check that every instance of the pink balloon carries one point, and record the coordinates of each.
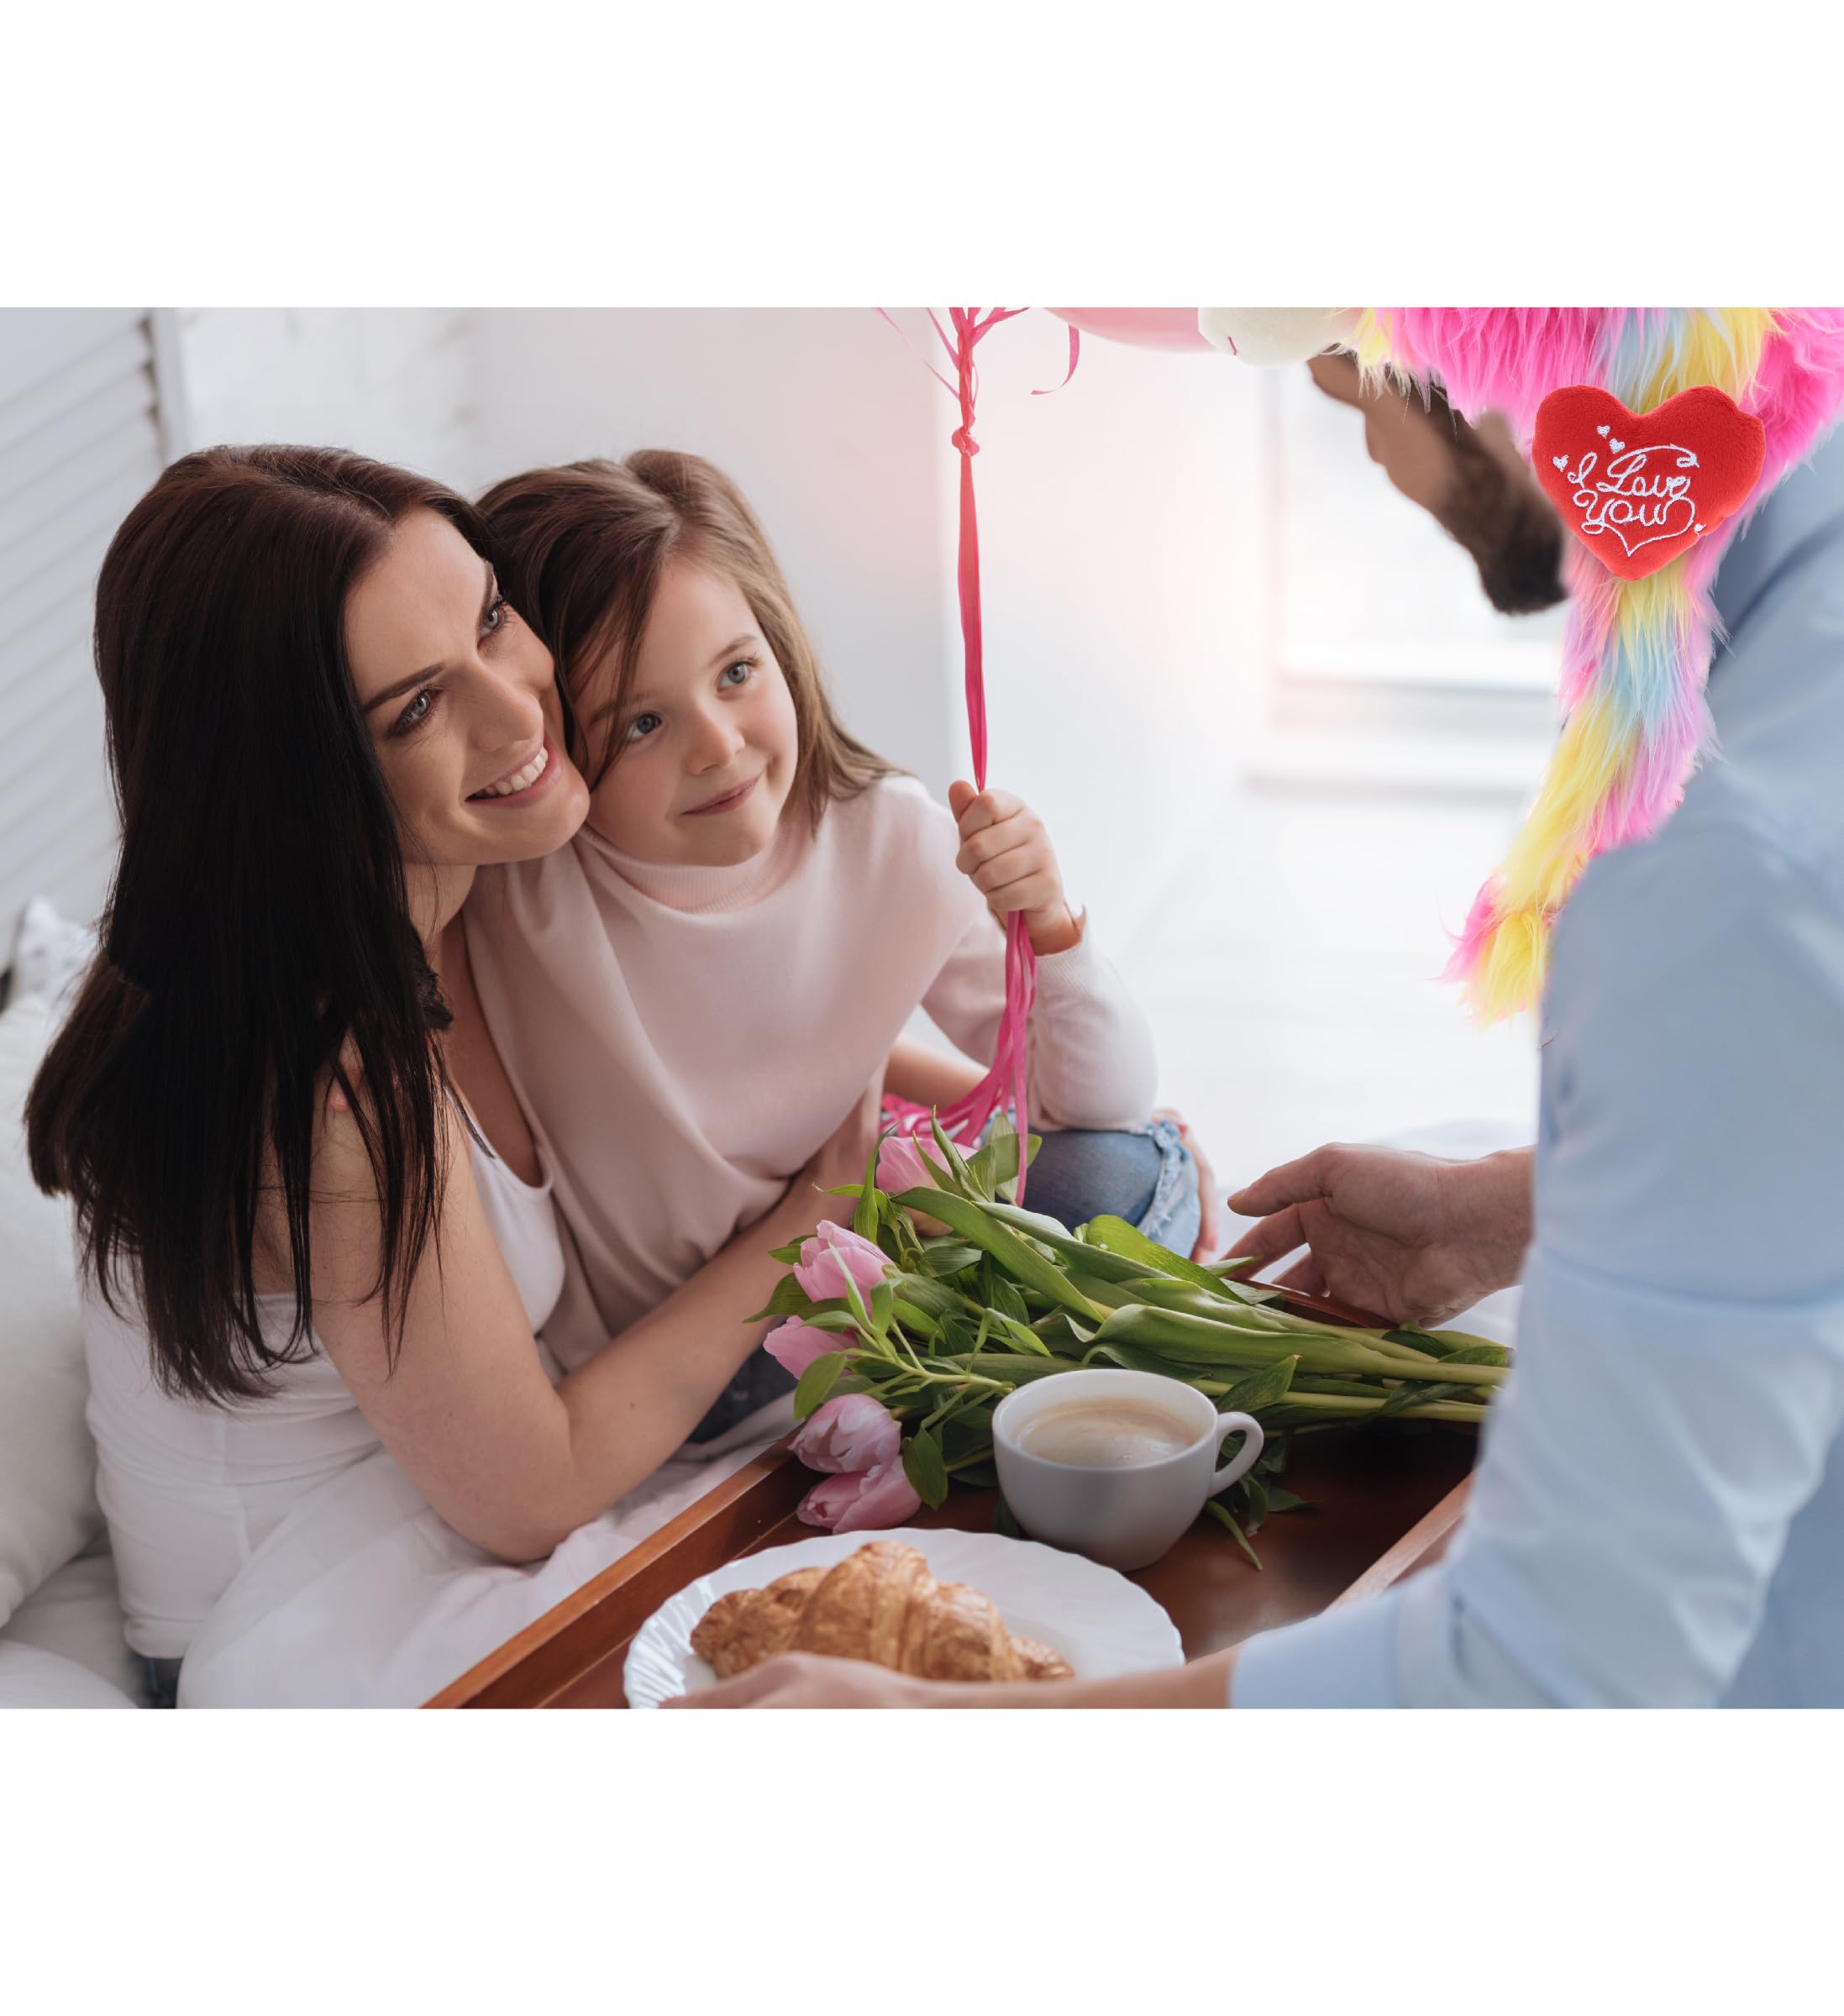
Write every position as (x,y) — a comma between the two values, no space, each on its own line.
(1145,329)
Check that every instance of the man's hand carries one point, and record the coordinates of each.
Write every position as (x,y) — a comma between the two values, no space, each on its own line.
(1412,1236)
(1006,853)
(803,1680)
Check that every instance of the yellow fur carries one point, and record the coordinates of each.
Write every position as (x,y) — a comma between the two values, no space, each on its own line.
(1721,347)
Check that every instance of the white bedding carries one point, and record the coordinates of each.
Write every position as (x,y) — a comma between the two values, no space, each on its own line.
(363,1598)
(73,1618)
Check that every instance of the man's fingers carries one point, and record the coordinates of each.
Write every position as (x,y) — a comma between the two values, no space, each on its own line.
(1274,1236)
(742,1692)
(1292,1183)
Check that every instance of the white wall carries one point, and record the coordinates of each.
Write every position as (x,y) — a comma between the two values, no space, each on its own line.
(393,383)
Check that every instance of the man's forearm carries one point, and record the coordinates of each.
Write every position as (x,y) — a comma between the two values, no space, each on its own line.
(1199,1683)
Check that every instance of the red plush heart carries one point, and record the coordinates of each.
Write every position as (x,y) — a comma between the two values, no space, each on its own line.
(1638,489)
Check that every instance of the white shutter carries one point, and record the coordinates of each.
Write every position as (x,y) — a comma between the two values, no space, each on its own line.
(82,437)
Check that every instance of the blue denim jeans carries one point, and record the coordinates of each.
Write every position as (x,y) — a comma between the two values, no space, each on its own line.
(1143,1174)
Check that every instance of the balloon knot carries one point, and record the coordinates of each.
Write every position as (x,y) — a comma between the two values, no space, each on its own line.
(962,438)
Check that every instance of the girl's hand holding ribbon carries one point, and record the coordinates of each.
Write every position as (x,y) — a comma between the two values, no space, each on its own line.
(1005,853)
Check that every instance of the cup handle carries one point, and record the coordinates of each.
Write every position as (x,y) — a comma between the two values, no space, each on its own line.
(1240,1464)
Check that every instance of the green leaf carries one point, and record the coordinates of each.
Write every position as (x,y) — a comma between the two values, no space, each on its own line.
(960,1181)
(943,1257)
(1246,1265)
(1003,1522)
(1005,1300)
(788,1254)
(1223,1514)
(1477,1354)
(1021,1336)
(967,1432)
(865,1218)
(817,1383)
(1255,1496)
(882,1301)
(1136,1358)
(923,1466)
(980,1476)
(982,1173)
(1048,1232)
(1462,1347)
(1281,1500)
(830,1319)
(1117,1237)
(1019,1259)
(1259,1389)
(789,1298)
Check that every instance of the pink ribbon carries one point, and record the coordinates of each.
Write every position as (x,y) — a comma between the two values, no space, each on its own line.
(964,1122)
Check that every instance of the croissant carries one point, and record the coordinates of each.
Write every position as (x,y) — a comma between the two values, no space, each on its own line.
(880,1603)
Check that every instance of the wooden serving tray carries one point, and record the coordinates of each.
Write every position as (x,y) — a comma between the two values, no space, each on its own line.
(1382,1505)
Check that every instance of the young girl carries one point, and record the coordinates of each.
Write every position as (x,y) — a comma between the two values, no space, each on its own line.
(689,994)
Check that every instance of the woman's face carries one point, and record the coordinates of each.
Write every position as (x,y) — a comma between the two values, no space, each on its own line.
(706,745)
(459,699)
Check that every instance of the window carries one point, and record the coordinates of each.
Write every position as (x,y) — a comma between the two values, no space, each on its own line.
(88,416)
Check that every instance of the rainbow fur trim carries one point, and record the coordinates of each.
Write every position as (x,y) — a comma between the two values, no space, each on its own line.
(1637,653)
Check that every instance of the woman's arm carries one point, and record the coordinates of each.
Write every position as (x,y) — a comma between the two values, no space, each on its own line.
(509,1461)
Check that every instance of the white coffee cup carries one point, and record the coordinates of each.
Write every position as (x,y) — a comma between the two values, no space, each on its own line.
(1125,1516)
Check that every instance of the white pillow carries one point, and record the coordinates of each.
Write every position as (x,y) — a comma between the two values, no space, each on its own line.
(31,1679)
(48,1507)
(49,954)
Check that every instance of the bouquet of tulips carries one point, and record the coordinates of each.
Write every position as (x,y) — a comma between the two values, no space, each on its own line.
(908,1328)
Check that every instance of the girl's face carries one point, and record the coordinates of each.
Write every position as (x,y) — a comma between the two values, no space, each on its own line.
(459,698)
(706,744)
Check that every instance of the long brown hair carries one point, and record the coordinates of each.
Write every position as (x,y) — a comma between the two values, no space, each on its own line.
(581,551)
(258,919)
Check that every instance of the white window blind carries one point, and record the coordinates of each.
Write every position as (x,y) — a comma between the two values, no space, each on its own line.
(84,430)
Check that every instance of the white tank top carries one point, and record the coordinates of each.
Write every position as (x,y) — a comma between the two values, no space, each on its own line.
(190,1489)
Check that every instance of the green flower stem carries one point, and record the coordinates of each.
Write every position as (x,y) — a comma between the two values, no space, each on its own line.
(1341,1404)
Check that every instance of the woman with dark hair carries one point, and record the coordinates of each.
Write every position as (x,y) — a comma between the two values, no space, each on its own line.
(311,1213)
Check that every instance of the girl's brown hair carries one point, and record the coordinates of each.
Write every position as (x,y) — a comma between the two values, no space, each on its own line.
(581,551)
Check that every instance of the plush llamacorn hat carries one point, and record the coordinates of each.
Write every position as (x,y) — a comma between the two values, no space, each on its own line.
(1655,432)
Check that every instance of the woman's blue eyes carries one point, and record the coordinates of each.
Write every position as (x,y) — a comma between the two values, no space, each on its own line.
(644,725)
(499,616)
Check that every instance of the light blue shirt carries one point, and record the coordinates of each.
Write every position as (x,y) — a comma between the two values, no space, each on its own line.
(1657,1516)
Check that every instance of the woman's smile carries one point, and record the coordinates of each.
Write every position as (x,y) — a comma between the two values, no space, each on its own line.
(521,785)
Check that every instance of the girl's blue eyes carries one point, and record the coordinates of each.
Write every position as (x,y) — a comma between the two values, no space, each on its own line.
(644,725)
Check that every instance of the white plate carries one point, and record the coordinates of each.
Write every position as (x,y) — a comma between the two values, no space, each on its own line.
(1101,1622)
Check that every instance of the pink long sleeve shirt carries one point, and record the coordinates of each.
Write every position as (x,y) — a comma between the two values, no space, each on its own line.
(683,1038)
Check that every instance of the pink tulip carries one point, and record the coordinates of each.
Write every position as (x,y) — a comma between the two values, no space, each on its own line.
(795,1344)
(832,1253)
(853,1434)
(882,1497)
(900,1165)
